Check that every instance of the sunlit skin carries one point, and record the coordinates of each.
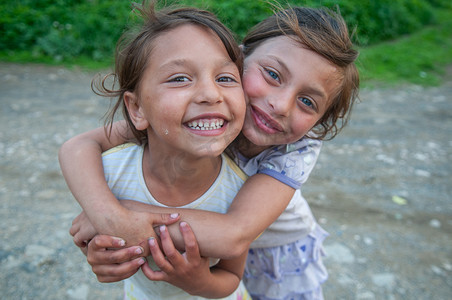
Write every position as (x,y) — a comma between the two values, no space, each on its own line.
(288,88)
(190,78)
(191,102)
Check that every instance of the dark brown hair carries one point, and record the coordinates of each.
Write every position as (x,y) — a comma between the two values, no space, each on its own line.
(134,49)
(324,32)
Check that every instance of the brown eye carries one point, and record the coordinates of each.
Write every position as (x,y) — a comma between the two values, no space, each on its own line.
(179,79)
(226,79)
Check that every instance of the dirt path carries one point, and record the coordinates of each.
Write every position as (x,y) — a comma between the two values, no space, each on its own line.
(382,189)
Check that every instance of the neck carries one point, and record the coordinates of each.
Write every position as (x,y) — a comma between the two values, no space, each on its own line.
(247,148)
(178,179)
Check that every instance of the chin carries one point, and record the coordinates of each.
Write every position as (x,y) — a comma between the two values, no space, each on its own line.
(212,150)
(256,138)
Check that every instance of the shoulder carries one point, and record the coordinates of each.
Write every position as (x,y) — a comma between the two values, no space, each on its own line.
(290,163)
(128,147)
(233,168)
(121,155)
(300,146)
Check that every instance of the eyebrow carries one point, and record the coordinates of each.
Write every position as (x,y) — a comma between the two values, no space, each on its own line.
(174,63)
(311,89)
(281,63)
(183,62)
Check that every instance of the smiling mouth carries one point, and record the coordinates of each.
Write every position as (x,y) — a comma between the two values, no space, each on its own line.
(206,124)
(263,122)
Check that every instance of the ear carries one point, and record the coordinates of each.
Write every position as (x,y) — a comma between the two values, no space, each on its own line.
(135,110)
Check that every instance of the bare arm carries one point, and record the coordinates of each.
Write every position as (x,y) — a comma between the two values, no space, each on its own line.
(225,278)
(259,202)
(81,163)
(82,168)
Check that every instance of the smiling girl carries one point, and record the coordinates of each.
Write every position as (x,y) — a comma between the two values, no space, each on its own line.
(300,82)
(183,67)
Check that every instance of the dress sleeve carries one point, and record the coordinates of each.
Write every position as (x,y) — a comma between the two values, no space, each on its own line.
(292,163)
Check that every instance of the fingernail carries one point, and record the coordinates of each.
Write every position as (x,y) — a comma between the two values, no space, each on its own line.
(174,216)
(139,250)
(141,261)
(151,241)
(183,224)
(162,228)
(121,242)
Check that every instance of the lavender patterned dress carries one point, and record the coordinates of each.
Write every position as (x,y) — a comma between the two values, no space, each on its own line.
(285,262)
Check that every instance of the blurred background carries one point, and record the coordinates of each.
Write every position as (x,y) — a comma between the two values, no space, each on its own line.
(398,39)
(381,188)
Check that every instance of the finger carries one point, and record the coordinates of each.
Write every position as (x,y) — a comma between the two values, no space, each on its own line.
(171,253)
(145,246)
(84,250)
(109,279)
(164,219)
(74,228)
(153,275)
(191,244)
(79,240)
(106,241)
(117,272)
(104,256)
(158,256)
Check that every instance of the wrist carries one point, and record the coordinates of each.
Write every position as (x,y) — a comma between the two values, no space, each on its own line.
(108,221)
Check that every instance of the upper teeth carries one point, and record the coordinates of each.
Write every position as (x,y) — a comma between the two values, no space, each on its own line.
(206,124)
(264,121)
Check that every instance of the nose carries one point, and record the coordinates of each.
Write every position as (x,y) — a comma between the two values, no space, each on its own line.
(281,104)
(208,92)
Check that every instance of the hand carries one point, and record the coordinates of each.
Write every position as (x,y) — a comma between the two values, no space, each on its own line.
(82,231)
(111,261)
(186,271)
(136,224)
(133,226)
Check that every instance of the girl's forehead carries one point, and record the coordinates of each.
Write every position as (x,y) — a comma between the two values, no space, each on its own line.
(287,50)
(184,36)
(187,35)
(279,44)
(188,46)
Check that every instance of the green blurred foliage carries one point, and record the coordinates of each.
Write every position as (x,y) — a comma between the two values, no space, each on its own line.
(376,21)
(419,58)
(64,29)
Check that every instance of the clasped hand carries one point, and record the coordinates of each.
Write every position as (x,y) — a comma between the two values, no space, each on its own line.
(111,260)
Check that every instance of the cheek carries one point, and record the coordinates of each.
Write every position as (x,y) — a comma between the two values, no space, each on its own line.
(239,106)
(303,124)
(253,84)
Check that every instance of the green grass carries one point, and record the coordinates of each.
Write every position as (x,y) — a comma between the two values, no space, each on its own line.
(82,62)
(420,58)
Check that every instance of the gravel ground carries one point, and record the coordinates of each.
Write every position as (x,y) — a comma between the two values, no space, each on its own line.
(382,189)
